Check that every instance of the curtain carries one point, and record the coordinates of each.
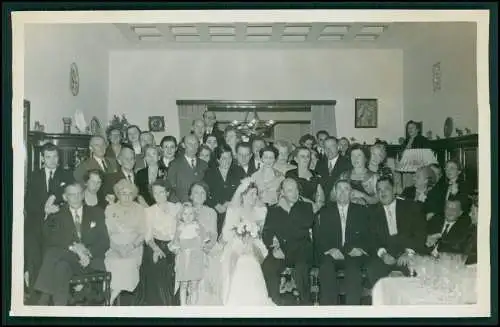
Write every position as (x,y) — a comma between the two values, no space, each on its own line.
(188,113)
(323,118)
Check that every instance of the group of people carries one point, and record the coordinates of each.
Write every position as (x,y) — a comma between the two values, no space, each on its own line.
(214,220)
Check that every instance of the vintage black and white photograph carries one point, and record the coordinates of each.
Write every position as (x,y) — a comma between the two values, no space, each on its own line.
(206,162)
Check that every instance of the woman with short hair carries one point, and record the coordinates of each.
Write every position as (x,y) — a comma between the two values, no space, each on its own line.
(126,225)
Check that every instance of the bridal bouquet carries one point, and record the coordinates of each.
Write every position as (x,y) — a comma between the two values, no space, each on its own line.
(246,229)
(248,232)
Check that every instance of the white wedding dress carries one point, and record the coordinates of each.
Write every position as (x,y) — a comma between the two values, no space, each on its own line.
(243,282)
(234,276)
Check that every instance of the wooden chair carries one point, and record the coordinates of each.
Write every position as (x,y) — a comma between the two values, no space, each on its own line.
(95,289)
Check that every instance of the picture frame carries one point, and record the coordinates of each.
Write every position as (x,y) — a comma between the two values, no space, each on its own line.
(366,113)
(157,123)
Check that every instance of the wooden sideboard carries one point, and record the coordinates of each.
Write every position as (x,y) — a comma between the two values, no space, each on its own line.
(464,149)
(73,148)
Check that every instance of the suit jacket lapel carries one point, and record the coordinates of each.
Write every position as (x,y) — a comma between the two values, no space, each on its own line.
(400,223)
(70,222)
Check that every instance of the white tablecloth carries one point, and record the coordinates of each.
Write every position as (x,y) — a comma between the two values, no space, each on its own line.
(424,291)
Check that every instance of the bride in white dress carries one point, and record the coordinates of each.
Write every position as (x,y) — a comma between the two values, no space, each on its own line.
(234,276)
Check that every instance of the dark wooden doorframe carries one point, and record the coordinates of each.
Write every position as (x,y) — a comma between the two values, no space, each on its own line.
(260,105)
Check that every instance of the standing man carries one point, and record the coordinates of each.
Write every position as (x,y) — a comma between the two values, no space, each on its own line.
(321,136)
(258,144)
(96,161)
(186,169)
(211,127)
(43,195)
(333,165)
(126,159)
(198,129)
(243,157)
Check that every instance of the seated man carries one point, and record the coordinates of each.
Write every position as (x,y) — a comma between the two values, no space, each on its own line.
(286,235)
(342,240)
(398,232)
(77,239)
(454,234)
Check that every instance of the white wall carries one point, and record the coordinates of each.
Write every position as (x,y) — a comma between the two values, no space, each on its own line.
(144,83)
(455,47)
(49,51)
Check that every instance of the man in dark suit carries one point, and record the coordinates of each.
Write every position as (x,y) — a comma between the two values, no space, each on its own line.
(321,137)
(168,146)
(454,234)
(342,237)
(44,191)
(211,127)
(286,234)
(77,240)
(97,160)
(398,232)
(332,165)
(126,160)
(258,144)
(243,158)
(186,169)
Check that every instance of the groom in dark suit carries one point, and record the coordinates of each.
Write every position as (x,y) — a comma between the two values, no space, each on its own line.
(287,237)
(342,240)
(77,240)
(45,183)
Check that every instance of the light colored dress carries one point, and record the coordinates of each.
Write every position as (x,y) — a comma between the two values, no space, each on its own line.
(126,226)
(234,276)
(268,189)
(189,262)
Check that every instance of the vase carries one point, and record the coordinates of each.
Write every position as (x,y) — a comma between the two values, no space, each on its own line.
(67,125)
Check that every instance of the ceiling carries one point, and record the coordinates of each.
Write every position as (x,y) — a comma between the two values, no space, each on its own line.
(372,34)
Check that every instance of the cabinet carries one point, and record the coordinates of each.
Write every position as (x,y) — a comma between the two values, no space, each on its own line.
(463,149)
(73,148)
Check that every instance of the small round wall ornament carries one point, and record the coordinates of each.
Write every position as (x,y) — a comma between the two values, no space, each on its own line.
(74,82)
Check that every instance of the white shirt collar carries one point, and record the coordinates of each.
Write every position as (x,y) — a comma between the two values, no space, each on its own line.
(78,211)
(334,159)
(48,170)
(189,159)
(128,173)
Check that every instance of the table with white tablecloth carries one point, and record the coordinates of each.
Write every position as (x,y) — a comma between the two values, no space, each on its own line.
(425,290)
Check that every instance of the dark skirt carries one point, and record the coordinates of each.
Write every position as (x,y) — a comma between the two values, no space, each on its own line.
(157,284)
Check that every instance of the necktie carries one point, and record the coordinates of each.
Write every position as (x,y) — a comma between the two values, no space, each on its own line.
(78,224)
(330,166)
(446,230)
(343,221)
(193,163)
(129,176)
(104,166)
(51,181)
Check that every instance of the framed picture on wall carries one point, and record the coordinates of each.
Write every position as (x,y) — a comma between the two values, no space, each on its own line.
(366,113)
(157,124)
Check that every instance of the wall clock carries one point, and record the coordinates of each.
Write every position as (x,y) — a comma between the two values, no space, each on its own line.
(157,123)
(74,82)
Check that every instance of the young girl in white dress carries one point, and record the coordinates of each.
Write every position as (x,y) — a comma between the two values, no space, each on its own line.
(188,246)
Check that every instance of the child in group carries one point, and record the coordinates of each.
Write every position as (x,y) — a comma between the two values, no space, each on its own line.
(188,247)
